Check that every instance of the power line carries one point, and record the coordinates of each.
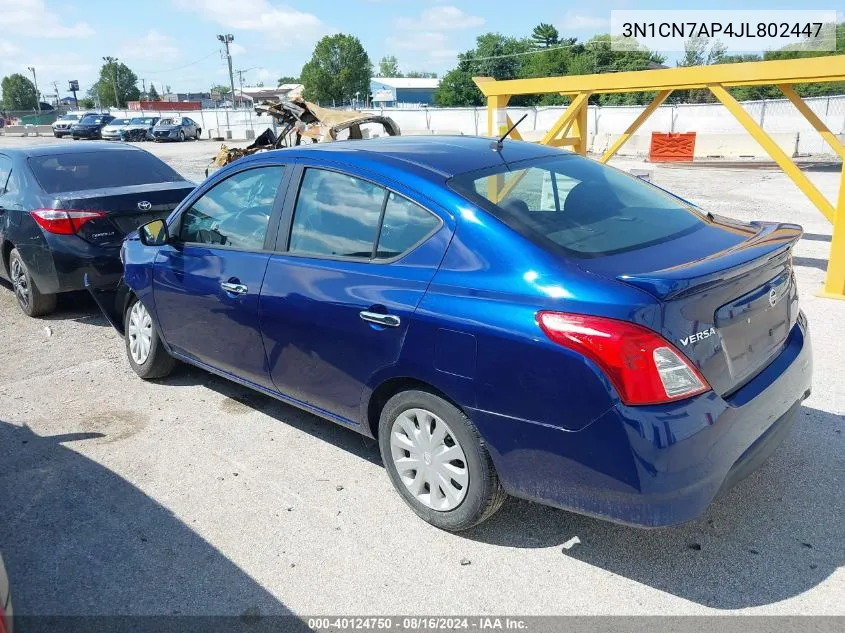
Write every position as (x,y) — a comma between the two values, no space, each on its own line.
(170,70)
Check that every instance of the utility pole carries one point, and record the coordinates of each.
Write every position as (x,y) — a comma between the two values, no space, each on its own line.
(144,87)
(112,61)
(227,39)
(37,94)
(56,89)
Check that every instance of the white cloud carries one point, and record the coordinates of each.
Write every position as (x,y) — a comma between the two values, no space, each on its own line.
(575,21)
(64,64)
(436,47)
(236,49)
(7,48)
(286,25)
(33,18)
(153,46)
(441,18)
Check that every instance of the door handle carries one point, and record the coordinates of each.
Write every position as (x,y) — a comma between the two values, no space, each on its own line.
(238,289)
(388,320)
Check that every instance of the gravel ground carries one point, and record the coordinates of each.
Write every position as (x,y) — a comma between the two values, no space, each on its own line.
(197,496)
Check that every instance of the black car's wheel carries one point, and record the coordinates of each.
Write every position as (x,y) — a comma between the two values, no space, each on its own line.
(75,138)
(144,348)
(31,301)
(437,461)
(181,135)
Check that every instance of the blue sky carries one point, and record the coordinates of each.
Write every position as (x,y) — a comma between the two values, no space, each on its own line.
(173,42)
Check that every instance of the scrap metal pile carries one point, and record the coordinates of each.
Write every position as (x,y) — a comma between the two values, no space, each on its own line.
(298,120)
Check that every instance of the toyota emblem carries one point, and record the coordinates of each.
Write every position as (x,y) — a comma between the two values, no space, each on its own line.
(146,206)
(773,297)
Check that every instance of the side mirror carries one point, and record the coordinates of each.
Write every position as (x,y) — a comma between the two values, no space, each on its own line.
(154,233)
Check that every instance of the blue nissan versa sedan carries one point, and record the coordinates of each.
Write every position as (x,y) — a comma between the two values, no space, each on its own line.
(504,319)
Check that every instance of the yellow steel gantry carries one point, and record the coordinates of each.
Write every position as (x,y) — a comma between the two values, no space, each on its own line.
(571,129)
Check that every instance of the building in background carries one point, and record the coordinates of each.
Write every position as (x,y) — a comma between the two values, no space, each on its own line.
(284,92)
(398,92)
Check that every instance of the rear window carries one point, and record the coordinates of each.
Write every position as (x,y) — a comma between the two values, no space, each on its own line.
(580,206)
(99,170)
(92,119)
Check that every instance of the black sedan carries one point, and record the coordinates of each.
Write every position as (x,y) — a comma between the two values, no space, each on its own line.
(65,209)
(91,126)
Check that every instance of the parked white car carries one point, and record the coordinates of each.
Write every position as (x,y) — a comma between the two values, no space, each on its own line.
(114,128)
(62,125)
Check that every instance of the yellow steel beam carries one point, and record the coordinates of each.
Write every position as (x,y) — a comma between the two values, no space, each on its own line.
(579,128)
(514,134)
(566,120)
(814,120)
(785,163)
(497,115)
(834,283)
(658,101)
(787,71)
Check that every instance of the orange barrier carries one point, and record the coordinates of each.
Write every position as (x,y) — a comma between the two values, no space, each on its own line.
(671,148)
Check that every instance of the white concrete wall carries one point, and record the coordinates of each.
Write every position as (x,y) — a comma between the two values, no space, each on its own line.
(718,133)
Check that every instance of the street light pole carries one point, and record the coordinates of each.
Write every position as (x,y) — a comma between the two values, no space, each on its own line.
(227,39)
(37,95)
(112,61)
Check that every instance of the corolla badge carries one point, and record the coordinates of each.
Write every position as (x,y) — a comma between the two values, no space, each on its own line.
(773,297)
(144,205)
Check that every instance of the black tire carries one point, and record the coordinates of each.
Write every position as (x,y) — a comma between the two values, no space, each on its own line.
(75,138)
(57,135)
(159,363)
(30,300)
(197,135)
(181,136)
(484,495)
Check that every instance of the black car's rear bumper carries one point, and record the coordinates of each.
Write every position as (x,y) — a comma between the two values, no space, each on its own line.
(111,297)
(61,264)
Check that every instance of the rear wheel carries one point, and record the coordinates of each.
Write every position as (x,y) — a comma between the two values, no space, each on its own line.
(144,348)
(197,135)
(30,300)
(437,461)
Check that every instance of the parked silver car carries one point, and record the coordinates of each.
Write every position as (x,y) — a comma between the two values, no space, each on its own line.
(62,125)
(176,129)
(139,129)
(113,129)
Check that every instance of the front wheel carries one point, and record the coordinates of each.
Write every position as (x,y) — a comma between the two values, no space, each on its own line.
(438,462)
(30,299)
(181,135)
(147,355)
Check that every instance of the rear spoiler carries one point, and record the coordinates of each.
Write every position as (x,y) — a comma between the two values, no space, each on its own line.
(772,241)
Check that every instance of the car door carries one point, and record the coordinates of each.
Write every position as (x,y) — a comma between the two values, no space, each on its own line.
(337,300)
(8,200)
(206,282)
(190,127)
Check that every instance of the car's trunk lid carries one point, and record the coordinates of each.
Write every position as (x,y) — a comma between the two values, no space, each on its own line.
(126,208)
(727,293)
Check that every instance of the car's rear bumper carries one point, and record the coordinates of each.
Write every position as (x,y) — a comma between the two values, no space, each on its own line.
(654,466)
(61,264)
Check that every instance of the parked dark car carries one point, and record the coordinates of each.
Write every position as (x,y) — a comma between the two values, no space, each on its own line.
(176,129)
(516,320)
(139,129)
(90,126)
(65,209)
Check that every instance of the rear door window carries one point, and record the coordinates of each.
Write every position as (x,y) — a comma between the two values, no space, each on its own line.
(5,170)
(405,225)
(235,212)
(585,208)
(336,215)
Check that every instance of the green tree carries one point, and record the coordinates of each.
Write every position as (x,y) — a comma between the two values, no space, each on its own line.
(116,85)
(457,89)
(87,103)
(221,90)
(287,80)
(152,95)
(338,69)
(545,35)
(388,67)
(417,74)
(18,93)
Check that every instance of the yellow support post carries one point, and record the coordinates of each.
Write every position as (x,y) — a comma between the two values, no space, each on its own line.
(579,128)
(567,119)
(834,284)
(656,103)
(777,154)
(515,135)
(497,116)
(814,120)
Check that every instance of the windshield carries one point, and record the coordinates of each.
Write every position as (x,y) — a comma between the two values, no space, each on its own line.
(70,117)
(580,206)
(169,122)
(119,122)
(92,119)
(143,121)
(99,170)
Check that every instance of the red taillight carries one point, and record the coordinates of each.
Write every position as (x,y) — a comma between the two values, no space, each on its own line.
(643,366)
(63,221)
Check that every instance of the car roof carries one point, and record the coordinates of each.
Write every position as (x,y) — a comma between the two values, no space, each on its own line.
(426,155)
(54,149)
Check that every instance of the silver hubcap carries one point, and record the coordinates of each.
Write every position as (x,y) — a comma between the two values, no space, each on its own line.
(429,459)
(140,332)
(19,281)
